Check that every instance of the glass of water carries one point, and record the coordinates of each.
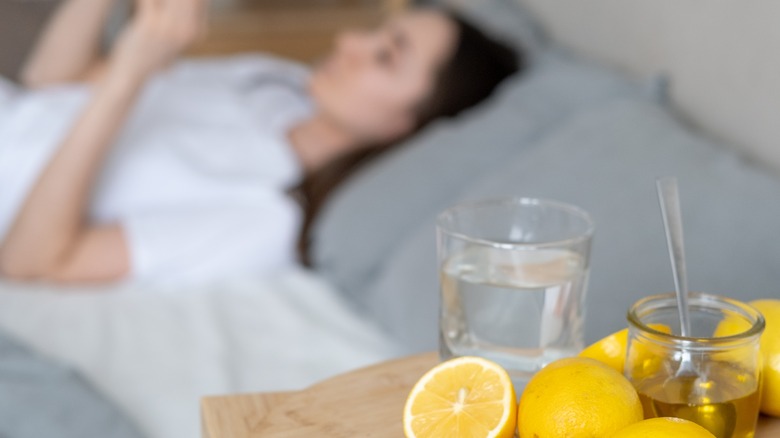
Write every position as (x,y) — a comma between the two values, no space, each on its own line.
(513,275)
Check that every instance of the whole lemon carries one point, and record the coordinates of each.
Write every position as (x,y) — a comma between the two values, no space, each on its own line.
(577,397)
(611,350)
(770,349)
(666,427)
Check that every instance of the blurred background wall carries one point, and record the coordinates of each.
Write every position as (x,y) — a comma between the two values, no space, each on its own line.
(722,58)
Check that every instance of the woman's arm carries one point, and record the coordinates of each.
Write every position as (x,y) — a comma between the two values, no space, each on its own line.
(51,237)
(68,49)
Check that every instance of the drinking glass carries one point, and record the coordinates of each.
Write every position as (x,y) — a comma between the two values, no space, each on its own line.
(723,392)
(513,276)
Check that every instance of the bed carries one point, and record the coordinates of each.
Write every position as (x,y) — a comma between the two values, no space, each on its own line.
(144,356)
(606,106)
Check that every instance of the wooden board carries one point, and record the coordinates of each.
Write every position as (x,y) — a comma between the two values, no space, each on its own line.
(236,415)
(364,403)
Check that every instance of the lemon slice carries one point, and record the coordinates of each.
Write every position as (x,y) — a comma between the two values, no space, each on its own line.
(467,396)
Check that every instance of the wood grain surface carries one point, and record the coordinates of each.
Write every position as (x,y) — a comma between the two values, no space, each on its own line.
(364,403)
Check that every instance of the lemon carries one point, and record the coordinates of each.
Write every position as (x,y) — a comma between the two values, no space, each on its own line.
(577,397)
(666,427)
(467,396)
(611,350)
(770,349)
(730,326)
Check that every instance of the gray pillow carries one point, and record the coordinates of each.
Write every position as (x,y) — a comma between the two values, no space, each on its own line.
(368,217)
(606,161)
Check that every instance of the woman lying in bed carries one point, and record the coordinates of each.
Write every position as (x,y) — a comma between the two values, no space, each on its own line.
(144,167)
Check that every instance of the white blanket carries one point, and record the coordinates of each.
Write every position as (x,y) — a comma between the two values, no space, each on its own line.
(156,351)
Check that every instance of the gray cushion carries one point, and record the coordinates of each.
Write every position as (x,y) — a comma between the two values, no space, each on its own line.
(606,160)
(368,217)
(39,398)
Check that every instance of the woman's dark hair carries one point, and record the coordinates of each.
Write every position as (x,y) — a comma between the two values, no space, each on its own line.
(477,65)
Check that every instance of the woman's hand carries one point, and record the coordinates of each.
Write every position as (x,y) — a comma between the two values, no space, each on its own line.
(160,31)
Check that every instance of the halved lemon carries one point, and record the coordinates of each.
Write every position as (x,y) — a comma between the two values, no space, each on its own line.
(467,396)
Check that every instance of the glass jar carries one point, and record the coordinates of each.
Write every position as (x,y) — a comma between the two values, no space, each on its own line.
(721,388)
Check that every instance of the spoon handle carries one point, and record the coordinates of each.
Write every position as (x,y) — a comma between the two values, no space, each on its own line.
(669,198)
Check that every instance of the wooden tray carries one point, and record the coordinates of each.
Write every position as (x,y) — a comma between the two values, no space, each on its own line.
(364,403)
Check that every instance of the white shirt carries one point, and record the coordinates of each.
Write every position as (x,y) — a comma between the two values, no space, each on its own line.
(198,174)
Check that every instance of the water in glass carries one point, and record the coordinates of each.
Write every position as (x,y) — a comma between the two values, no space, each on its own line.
(520,308)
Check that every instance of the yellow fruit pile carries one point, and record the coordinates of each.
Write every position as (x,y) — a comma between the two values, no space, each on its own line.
(611,350)
(576,397)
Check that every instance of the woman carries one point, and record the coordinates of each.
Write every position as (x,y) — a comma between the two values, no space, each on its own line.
(141,167)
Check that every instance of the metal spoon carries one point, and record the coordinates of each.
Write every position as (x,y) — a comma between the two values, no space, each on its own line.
(669,198)
(719,418)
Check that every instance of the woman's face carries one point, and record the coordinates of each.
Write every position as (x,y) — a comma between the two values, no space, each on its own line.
(373,80)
